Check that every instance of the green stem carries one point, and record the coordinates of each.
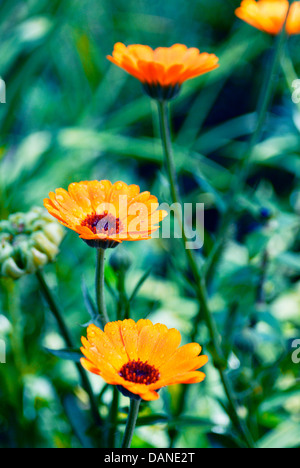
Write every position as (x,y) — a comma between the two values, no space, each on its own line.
(168,151)
(199,281)
(243,168)
(219,363)
(114,409)
(12,300)
(123,306)
(100,287)
(131,422)
(53,306)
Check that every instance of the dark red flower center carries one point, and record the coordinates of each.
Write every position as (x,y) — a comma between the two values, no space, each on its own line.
(139,372)
(104,223)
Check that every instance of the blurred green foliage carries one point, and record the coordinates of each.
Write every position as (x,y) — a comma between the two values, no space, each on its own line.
(71,115)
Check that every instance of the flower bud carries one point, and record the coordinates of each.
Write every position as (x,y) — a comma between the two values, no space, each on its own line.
(54,232)
(120,260)
(5,250)
(40,259)
(10,268)
(6,227)
(45,245)
(28,241)
(26,258)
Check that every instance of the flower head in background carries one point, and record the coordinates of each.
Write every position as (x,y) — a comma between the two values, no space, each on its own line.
(141,358)
(28,241)
(163,70)
(105,214)
(269,15)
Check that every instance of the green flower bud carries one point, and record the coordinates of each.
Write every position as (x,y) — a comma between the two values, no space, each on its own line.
(6,227)
(17,223)
(120,260)
(54,232)
(26,257)
(10,268)
(28,241)
(5,250)
(45,245)
(40,259)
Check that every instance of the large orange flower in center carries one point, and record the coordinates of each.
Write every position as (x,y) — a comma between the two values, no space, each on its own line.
(270,15)
(163,70)
(140,358)
(105,214)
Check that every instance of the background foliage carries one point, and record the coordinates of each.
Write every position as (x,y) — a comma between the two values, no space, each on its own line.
(71,115)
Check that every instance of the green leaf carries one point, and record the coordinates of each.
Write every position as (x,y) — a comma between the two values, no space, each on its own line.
(224,441)
(286,435)
(69,354)
(89,303)
(139,285)
(290,260)
(78,420)
(153,419)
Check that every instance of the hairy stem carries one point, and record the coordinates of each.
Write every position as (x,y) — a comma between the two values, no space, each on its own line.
(131,422)
(100,287)
(114,409)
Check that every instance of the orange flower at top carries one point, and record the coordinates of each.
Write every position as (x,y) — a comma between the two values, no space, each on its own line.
(163,70)
(105,214)
(270,15)
(140,358)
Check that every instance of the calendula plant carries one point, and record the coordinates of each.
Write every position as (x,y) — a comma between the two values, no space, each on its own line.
(138,358)
(133,341)
(162,72)
(105,215)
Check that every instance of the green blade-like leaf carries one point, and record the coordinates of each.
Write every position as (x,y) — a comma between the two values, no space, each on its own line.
(139,285)
(68,354)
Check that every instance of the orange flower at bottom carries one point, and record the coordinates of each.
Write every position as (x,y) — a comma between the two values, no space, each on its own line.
(270,15)
(140,358)
(163,70)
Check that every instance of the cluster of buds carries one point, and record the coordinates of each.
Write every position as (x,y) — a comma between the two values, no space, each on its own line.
(28,241)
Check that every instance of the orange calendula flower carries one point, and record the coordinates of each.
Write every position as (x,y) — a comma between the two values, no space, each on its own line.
(270,15)
(163,70)
(105,214)
(141,358)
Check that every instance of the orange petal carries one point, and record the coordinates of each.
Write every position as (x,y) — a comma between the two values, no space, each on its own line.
(130,336)
(184,378)
(165,347)
(113,332)
(105,348)
(147,340)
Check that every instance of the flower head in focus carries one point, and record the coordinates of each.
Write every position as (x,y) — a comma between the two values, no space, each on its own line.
(141,358)
(163,70)
(105,214)
(270,15)
(28,241)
